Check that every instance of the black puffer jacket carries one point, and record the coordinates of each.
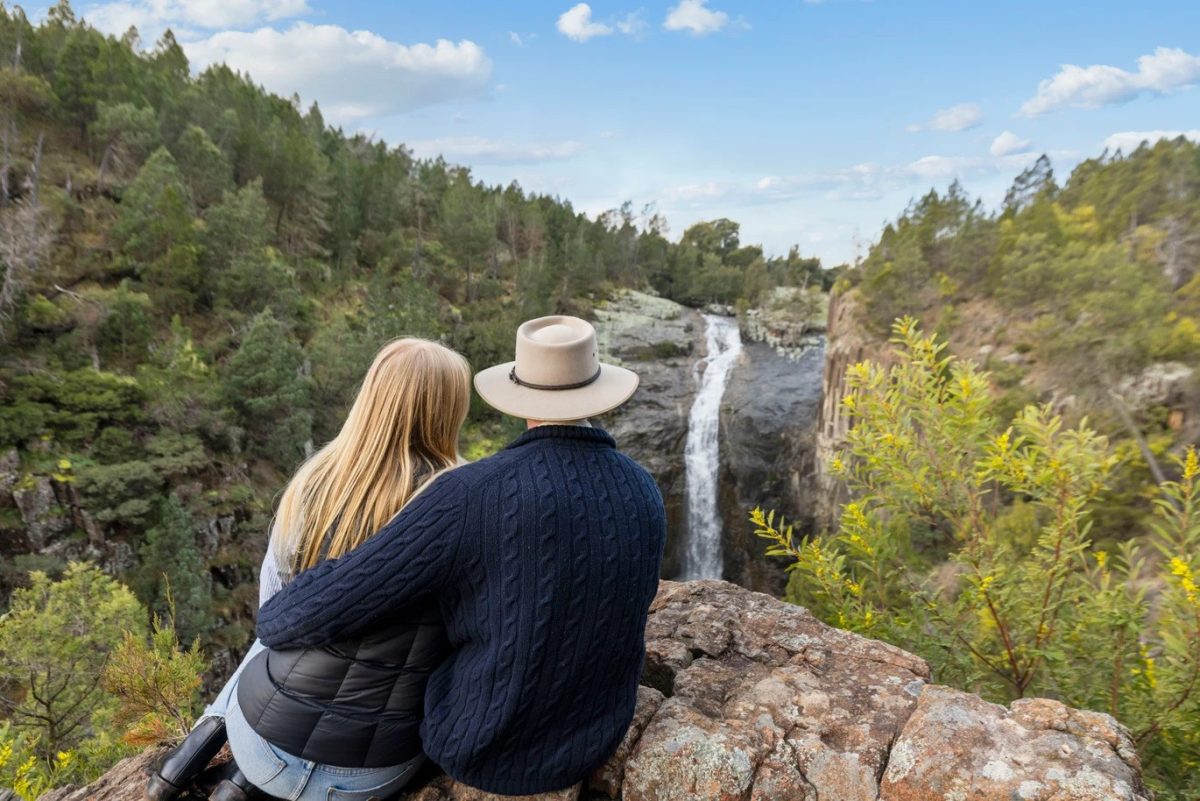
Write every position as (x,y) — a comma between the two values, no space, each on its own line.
(355,704)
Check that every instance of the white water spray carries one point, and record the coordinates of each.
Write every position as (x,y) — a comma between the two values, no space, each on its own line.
(702,558)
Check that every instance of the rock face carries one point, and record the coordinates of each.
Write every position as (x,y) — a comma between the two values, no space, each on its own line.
(745,698)
(847,343)
(661,341)
(769,421)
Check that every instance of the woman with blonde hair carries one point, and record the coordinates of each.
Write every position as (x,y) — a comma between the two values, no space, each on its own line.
(340,722)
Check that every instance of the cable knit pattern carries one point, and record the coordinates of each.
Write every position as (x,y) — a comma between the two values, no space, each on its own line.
(544,559)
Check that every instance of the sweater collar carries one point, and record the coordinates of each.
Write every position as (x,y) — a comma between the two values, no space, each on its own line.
(568,432)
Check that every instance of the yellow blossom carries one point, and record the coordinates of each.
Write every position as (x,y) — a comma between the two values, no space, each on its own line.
(1191,465)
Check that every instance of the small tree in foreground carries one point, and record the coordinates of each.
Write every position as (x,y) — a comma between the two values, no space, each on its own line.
(54,643)
(156,684)
(969,546)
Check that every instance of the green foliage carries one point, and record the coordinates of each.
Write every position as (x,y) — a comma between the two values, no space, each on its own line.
(156,234)
(127,328)
(70,407)
(54,642)
(125,134)
(156,683)
(970,544)
(1098,267)
(202,165)
(267,388)
(175,583)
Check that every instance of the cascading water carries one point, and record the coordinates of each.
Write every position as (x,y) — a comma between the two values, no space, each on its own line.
(702,557)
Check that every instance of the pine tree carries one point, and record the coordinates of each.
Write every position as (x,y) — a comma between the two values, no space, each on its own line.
(202,166)
(157,235)
(266,387)
(175,581)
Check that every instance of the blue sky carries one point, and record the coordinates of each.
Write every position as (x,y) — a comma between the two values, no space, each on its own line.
(808,122)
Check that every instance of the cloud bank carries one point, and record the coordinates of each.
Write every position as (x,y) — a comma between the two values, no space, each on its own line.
(1161,72)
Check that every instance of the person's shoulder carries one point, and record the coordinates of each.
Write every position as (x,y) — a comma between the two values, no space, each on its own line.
(472,474)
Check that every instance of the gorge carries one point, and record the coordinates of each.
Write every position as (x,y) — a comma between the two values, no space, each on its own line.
(723,425)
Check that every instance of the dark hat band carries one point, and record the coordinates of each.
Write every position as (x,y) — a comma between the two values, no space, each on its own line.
(512,376)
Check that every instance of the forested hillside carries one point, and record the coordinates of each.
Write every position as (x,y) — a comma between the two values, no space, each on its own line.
(195,275)
(1020,453)
(1085,294)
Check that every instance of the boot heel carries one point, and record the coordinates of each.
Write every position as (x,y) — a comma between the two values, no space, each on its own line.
(159,789)
(236,788)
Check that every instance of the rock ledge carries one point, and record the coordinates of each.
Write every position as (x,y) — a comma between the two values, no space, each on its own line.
(747,698)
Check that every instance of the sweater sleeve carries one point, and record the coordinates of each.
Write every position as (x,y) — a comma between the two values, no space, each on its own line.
(408,559)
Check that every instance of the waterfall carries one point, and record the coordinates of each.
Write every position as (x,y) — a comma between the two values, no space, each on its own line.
(702,557)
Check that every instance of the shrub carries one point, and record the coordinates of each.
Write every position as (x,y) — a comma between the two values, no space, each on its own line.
(970,546)
(156,684)
(54,643)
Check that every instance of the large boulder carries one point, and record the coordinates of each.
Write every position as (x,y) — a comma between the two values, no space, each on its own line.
(746,698)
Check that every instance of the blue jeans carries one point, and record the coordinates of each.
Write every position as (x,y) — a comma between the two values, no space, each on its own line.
(283,775)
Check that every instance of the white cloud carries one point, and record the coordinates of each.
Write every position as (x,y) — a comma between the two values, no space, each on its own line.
(632,24)
(1008,143)
(576,23)
(481,150)
(953,119)
(694,16)
(1129,141)
(1163,71)
(153,16)
(516,39)
(353,74)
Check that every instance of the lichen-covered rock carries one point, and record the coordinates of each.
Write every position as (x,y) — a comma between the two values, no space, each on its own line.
(746,698)
(763,691)
(958,746)
(662,341)
(790,319)
(46,521)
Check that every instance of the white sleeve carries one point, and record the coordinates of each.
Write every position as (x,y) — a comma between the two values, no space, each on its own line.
(270,579)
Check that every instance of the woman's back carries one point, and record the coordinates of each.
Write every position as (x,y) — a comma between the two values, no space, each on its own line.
(357,703)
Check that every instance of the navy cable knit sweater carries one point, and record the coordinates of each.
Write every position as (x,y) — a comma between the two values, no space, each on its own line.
(544,559)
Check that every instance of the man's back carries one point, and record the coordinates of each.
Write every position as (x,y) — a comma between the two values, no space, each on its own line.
(566,535)
(544,559)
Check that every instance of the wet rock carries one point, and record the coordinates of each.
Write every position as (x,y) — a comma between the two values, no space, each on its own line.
(661,341)
(769,421)
(764,702)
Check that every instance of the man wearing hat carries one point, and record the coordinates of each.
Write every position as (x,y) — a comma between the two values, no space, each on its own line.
(543,558)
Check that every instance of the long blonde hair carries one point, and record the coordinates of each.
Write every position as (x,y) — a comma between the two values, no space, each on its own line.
(401,431)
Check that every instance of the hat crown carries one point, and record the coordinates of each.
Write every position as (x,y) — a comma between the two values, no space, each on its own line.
(556,351)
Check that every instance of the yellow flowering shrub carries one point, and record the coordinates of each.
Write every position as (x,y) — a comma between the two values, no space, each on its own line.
(967,541)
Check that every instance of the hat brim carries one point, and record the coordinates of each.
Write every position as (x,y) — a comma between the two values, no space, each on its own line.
(614,386)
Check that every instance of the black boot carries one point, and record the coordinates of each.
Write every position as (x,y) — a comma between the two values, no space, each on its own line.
(236,788)
(188,759)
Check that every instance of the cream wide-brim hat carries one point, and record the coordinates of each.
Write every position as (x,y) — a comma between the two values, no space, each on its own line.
(557,374)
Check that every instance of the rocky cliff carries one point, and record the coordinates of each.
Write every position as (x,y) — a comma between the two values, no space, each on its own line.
(745,698)
(661,341)
(768,438)
(769,422)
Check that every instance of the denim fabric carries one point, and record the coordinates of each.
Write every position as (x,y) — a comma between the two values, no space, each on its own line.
(282,775)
